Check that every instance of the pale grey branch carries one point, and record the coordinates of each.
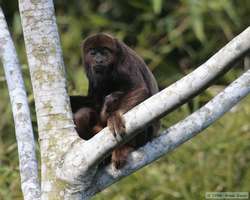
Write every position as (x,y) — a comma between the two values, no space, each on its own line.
(21,113)
(179,133)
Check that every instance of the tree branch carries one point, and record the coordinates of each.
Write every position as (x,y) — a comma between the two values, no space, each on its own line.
(55,124)
(77,161)
(21,113)
(179,133)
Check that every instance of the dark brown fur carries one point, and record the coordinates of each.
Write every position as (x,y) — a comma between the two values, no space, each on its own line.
(124,82)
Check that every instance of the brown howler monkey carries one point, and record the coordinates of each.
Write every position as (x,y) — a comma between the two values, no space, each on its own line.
(118,80)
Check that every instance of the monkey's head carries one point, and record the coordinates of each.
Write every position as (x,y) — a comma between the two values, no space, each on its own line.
(100,54)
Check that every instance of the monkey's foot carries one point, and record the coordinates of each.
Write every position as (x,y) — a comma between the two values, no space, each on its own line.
(120,155)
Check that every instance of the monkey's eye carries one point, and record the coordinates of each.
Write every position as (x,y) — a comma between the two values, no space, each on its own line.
(92,52)
(106,51)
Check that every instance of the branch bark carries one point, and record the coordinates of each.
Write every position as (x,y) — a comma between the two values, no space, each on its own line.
(54,117)
(21,113)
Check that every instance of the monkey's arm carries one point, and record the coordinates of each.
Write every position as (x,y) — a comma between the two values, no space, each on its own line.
(115,122)
(133,98)
(130,99)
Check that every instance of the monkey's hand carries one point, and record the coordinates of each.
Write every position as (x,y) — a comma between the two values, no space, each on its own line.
(109,106)
(116,124)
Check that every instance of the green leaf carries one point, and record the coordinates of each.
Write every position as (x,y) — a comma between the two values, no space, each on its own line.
(157,6)
(198,29)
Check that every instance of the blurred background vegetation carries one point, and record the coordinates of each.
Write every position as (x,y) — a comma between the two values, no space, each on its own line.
(173,37)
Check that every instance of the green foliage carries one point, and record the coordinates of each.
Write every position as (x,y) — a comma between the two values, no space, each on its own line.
(173,37)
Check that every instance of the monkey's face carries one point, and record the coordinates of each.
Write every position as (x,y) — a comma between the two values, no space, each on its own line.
(100,56)
(100,60)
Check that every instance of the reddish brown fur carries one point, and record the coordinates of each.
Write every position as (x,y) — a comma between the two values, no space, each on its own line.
(124,82)
(103,40)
